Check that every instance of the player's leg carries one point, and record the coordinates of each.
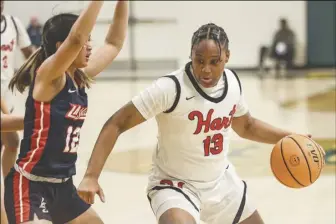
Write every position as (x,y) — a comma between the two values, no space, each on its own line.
(173,202)
(88,217)
(176,216)
(9,140)
(23,200)
(228,202)
(255,218)
(3,211)
(68,207)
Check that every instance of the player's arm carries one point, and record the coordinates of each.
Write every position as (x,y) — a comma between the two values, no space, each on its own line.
(124,119)
(9,123)
(114,41)
(57,64)
(24,42)
(254,129)
(150,102)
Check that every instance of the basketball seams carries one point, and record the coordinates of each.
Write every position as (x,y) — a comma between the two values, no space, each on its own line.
(281,150)
(304,155)
(272,168)
(320,153)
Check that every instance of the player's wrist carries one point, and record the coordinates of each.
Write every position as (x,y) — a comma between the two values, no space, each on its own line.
(91,175)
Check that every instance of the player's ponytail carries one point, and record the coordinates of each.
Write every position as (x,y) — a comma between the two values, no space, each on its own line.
(24,76)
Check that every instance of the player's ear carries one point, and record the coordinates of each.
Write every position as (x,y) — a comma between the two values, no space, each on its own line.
(227,56)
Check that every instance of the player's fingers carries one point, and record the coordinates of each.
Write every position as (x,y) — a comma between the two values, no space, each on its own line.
(91,197)
(101,194)
(83,196)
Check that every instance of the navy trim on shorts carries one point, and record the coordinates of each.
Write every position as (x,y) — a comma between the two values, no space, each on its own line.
(175,189)
(241,207)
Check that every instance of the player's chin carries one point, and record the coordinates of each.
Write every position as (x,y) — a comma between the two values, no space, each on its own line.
(82,64)
(207,83)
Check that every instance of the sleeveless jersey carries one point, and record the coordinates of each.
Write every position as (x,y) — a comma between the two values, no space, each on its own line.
(51,133)
(194,135)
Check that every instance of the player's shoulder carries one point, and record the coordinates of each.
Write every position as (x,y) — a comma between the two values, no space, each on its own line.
(170,80)
(232,76)
(230,72)
(9,17)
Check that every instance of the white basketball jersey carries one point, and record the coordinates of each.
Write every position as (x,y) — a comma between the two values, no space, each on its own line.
(193,139)
(11,37)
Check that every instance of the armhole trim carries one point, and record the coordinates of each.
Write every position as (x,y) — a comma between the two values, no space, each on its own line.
(178,93)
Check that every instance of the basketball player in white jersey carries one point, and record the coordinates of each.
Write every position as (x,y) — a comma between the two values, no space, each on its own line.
(9,123)
(195,107)
(13,35)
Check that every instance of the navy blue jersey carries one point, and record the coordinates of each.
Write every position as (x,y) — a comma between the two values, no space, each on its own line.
(52,131)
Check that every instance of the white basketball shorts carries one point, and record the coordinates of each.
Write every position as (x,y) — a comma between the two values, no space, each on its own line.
(223,201)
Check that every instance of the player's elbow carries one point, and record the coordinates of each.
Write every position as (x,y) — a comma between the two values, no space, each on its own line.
(244,129)
(78,38)
(248,129)
(116,42)
(112,126)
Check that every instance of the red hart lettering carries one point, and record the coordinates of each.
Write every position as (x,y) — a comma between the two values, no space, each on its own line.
(8,47)
(208,123)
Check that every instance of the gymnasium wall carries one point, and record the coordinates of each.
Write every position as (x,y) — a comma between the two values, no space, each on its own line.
(248,25)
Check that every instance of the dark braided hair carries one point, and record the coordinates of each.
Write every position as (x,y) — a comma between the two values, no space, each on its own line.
(211,31)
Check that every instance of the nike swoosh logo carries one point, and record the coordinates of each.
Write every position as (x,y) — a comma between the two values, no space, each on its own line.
(189,98)
(71,91)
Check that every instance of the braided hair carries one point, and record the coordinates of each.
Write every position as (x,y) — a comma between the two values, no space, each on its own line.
(211,31)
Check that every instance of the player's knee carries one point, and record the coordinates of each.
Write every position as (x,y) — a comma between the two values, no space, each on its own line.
(11,141)
(255,218)
(176,216)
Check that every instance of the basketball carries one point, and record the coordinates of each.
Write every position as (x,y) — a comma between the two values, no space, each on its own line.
(297,161)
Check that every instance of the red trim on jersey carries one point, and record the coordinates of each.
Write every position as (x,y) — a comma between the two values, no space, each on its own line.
(21,198)
(39,137)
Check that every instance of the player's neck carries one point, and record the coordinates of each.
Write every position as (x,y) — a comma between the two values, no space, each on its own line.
(71,72)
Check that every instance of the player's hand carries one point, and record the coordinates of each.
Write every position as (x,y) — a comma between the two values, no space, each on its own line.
(88,188)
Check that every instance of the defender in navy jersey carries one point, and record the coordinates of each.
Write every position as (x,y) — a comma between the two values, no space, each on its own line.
(40,185)
(51,133)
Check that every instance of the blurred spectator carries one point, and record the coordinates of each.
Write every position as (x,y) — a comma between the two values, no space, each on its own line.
(35,31)
(282,49)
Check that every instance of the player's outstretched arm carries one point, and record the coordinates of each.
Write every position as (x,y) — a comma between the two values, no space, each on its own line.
(124,119)
(114,41)
(57,64)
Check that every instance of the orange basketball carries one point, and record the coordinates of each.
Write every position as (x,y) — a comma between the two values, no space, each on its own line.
(297,161)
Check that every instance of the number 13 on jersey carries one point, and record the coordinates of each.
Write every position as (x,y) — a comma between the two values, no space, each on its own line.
(213,144)
(72,140)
